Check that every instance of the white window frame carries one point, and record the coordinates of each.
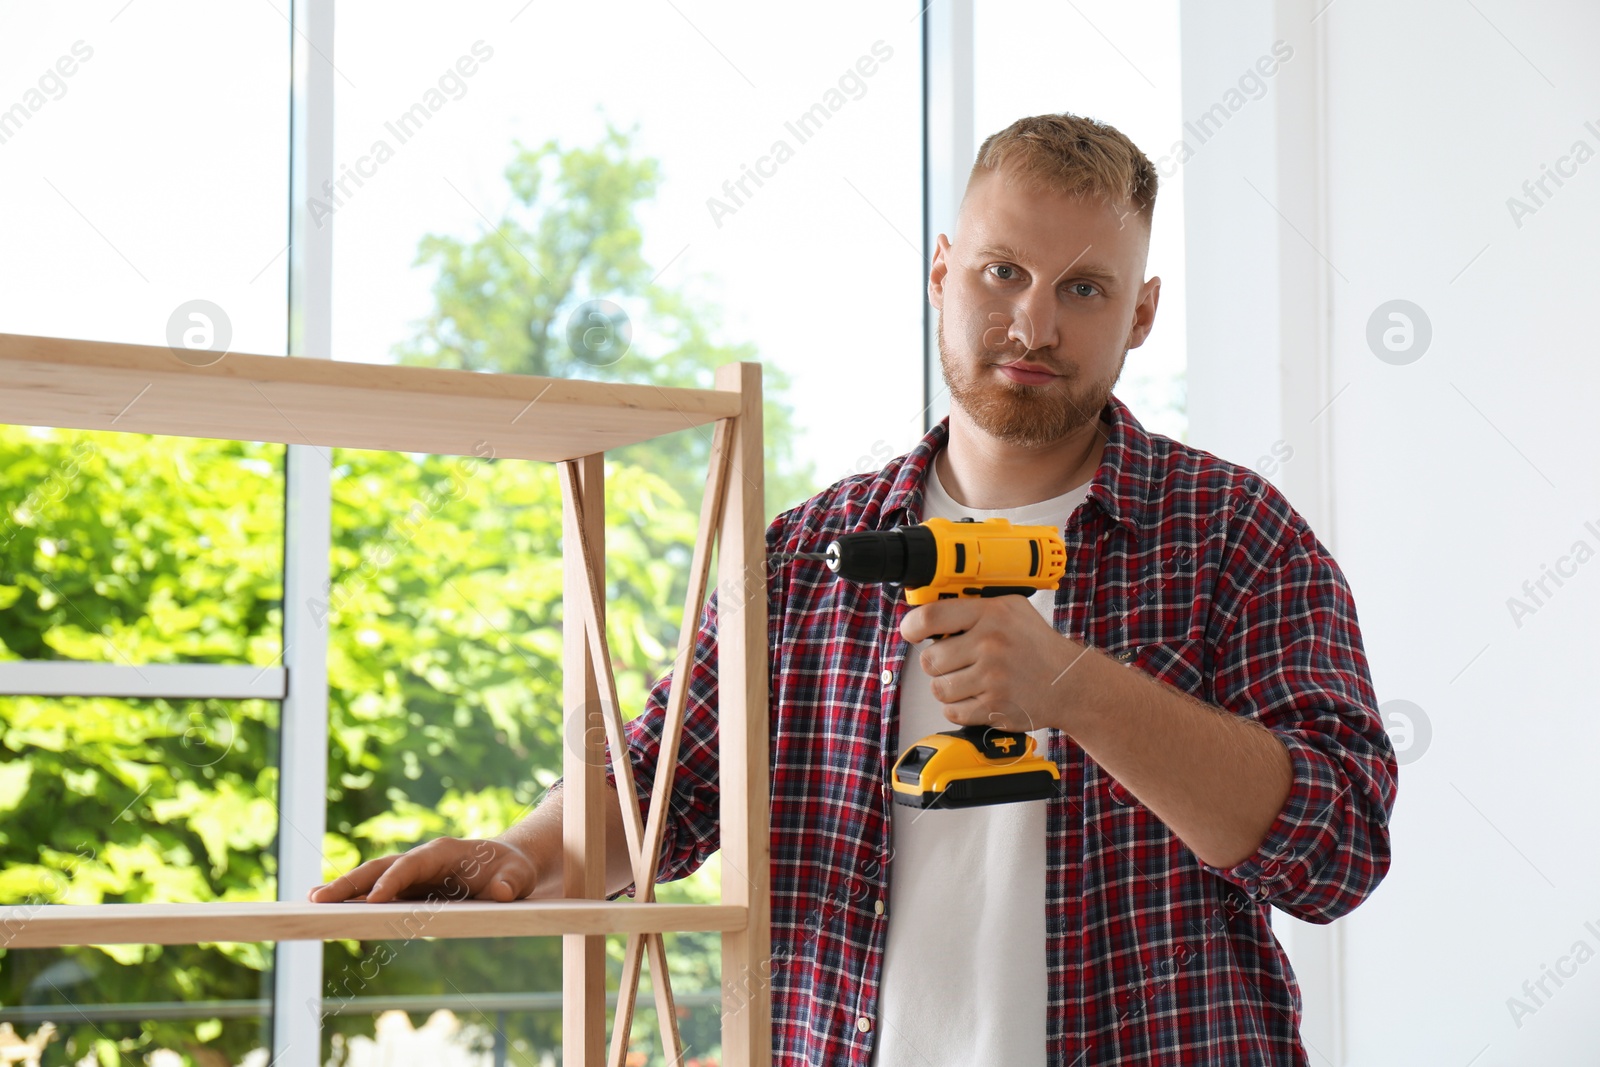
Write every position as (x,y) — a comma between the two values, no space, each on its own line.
(948,150)
(307,543)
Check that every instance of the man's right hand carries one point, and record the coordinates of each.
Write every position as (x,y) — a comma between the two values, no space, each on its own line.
(452,867)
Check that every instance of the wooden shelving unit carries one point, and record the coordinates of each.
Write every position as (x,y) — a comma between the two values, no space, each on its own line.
(140,389)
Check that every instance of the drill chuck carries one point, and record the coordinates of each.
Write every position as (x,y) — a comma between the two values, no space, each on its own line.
(905,556)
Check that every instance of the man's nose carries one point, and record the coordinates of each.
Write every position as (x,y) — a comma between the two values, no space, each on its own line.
(1033,319)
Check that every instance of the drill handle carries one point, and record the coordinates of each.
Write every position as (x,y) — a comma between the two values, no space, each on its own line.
(994,743)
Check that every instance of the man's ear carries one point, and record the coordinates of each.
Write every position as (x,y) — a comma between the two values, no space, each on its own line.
(936,273)
(1144,312)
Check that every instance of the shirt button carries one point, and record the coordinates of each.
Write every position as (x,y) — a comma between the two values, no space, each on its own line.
(886,677)
(877,906)
(863,1024)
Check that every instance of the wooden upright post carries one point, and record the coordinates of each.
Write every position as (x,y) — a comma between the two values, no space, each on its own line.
(583,957)
(742,685)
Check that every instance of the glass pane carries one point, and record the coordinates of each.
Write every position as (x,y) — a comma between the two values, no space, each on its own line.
(122,801)
(150,143)
(423,1001)
(494,186)
(444,705)
(1116,62)
(130,1004)
(696,184)
(131,549)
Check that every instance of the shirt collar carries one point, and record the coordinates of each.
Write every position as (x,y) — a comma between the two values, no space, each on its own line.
(1121,486)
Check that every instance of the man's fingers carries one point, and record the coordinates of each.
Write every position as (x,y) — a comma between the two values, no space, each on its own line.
(948,655)
(439,867)
(513,877)
(940,617)
(352,883)
(410,869)
(449,867)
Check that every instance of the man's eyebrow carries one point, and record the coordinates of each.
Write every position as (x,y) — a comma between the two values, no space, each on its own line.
(1078,268)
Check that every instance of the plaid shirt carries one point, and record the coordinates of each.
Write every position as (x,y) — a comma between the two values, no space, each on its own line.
(1180,564)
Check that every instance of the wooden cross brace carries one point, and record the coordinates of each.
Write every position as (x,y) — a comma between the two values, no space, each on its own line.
(644,841)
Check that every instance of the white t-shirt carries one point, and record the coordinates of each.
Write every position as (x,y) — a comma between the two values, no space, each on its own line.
(964,978)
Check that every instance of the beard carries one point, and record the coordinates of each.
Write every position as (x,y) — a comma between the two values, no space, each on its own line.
(1024,415)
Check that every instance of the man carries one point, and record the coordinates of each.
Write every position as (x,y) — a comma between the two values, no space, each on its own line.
(1198,677)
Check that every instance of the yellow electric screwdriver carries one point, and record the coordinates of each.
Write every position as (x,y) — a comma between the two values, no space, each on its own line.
(940,560)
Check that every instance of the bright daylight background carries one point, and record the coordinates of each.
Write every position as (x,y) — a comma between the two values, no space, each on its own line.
(822,269)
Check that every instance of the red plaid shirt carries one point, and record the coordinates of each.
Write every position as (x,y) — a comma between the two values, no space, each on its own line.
(1180,564)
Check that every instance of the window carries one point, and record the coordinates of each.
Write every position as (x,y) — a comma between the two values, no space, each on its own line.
(105,800)
(144,196)
(150,147)
(620,209)
(146,161)
(675,189)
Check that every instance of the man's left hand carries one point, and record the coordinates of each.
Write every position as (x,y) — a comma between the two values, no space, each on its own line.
(1004,666)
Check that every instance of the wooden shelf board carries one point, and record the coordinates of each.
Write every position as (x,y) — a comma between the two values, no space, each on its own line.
(95,385)
(49,925)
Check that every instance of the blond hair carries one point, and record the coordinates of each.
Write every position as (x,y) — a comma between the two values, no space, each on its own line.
(1072,155)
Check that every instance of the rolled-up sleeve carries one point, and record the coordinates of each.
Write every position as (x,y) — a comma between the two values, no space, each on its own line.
(1293,660)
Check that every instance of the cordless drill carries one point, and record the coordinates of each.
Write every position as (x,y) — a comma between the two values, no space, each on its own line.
(942,560)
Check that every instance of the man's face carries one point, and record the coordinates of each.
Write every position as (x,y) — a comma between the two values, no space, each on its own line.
(1041,280)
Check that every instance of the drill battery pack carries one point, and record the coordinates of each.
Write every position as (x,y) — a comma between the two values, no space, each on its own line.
(973,766)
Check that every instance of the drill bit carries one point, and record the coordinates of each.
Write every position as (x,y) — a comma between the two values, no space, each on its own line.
(790,557)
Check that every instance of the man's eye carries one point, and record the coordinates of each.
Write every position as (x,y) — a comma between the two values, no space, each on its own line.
(1003,266)
(1085,285)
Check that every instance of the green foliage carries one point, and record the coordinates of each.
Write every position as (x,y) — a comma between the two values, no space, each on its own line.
(163,562)
(132,550)
(444,628)
(445,648)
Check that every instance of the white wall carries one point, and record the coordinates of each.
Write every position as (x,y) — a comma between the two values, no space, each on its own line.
(1390,144)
